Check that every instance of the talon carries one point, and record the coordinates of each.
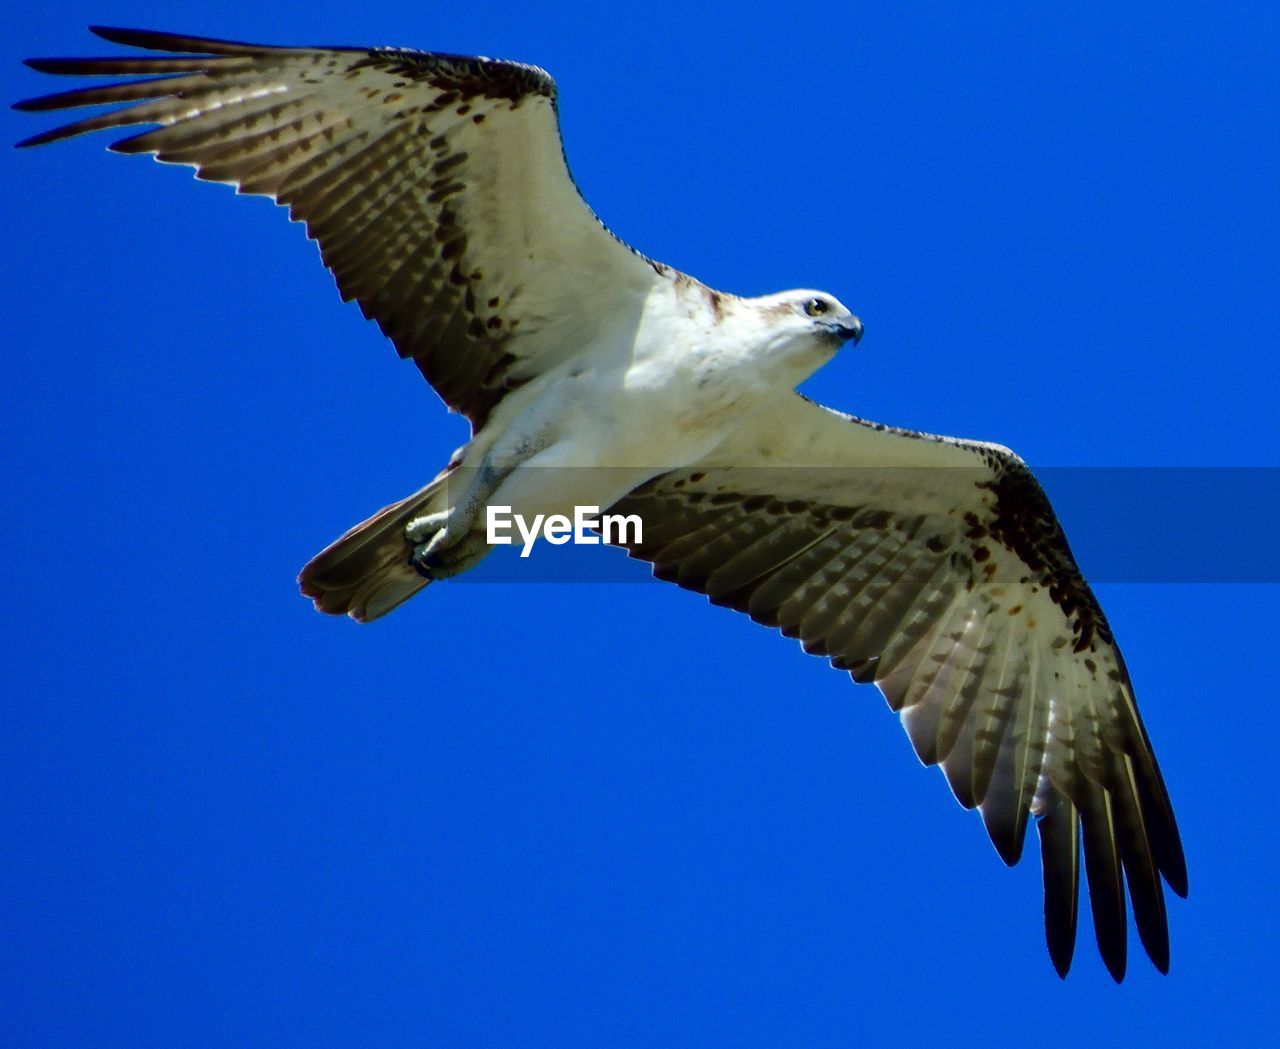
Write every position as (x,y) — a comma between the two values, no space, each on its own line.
(419,559)
(420,529)
(428,559)
(443,557)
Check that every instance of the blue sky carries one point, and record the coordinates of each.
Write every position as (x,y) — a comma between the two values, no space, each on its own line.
(532,815)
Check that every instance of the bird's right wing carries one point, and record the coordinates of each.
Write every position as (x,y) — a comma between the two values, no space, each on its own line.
(436,186)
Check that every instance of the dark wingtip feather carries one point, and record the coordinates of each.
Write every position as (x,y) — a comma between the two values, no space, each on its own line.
(119,34)
(1149,915)
(1059,831)
(1112,945)
(56,134)
(154,40)
(1145,888)
(1157,813)
(1106,882)
(1004,814)
(31,105)
(1174,870)
(151,39)
(1161,962)
(131,145)
(42,138)
(1009,841)
(54,65)
(1061,950)
(1156,806)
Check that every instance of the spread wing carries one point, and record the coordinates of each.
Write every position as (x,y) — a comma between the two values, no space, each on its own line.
(435,185)
(937,569)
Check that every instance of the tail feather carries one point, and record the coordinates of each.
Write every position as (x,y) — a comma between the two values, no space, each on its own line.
(366,573)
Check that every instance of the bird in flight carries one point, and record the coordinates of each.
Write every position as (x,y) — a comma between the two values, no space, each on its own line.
(436,188)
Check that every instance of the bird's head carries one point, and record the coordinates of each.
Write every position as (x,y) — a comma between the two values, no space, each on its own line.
(806,327)
(814,315)
(821,316)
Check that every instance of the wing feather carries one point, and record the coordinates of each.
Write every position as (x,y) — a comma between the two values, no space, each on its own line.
(435,186)
(1016,773)
(936,569)
(1103,868)
(1059,830)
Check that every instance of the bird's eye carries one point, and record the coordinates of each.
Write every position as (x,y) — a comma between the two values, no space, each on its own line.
(817,308)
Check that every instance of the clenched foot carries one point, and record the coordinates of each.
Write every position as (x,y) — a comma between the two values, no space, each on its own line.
(437,553)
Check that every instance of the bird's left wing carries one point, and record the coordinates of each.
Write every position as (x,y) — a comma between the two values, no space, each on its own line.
(937,569)
(435,185)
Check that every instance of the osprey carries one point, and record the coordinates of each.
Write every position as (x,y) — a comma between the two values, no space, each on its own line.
(436,188)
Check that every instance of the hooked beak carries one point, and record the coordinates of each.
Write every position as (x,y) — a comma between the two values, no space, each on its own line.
(849,330)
